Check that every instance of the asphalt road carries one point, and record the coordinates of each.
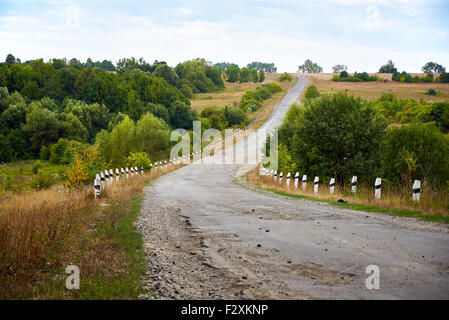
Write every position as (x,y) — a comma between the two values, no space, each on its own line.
(255,244)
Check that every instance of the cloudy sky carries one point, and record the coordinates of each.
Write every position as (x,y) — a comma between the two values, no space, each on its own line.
(362,34)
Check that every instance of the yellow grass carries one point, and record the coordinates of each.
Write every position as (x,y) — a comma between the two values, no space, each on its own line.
(374,89)
(43,231)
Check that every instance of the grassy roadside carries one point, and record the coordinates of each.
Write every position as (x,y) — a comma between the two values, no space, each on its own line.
(353,203)
(58,229)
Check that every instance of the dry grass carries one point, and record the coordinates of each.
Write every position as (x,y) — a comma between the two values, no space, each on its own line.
(432,202)
(373,90)
(42,232)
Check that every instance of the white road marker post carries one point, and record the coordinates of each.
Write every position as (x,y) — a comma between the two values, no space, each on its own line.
(102,180)
(106,177)
(136,170)
(141,170)
(304,182)
(122,172)
(288,179)
(127,172)
(377,186)
(332,185)
(354,184)
(296,180)
(280,177)
(316,184)
(275,174)
(132,171)
(117,174)
(111,175)
(97,186)
(416,190)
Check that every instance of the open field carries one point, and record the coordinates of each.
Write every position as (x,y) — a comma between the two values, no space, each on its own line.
(373,90)
(233,92)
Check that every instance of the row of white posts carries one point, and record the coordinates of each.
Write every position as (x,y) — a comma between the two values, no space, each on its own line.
(316,180)
(104,179)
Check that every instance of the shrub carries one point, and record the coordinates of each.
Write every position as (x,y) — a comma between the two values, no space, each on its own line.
(235,116)
(416,151)
(285,76)
(311,92)
(139,159)
(42,180)
(44,154)
(431,92)
(36,166)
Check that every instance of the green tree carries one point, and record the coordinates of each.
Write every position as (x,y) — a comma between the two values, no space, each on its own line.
(244,75)
(310,67)
(152,134)
(431,67)
(164,71)
(181,116)
(339,68)
(10,59)
(42,126)
(254,76)
(232,73)
(337,136)
(388,67)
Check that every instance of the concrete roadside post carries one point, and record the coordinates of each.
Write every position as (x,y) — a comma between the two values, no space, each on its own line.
(332,185)
(354,184)
(377,186)
(316,184)
(296,180)
(304,182)
(416,190)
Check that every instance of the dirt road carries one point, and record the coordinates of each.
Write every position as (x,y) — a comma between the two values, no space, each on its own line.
(207,235)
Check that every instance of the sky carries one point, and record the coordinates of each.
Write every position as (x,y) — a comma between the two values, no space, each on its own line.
(362,34)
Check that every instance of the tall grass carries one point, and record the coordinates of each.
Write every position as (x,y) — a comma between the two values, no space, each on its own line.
(432,201)
(44,231)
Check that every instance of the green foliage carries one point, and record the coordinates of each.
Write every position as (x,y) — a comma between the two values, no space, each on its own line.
(61,152)
(407,78)
(42,180)
(334,136)
(262,66)
(232,73)
(444,77)
(216,117)
(311,92)
(416,151)
(253,76)
(285,76)
(181,116)
(261,76)
(339,68)
(253,99)
(152,134)
(310,67)
(42,126)
(357,77)
(223,66)
(431,92)
(431,67)
(234,116)
(388,67)
(139,160)
(36,166)
(200,76)
(244,75)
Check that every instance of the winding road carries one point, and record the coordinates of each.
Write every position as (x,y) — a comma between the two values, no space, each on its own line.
(208,235)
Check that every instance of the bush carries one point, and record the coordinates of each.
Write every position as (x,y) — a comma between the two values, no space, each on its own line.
(285,76)
(41,181)
(44,154)
(139,159)
(36,166)
(431,92)
(416,151)
(235,116)
(253,99)
(311,92)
